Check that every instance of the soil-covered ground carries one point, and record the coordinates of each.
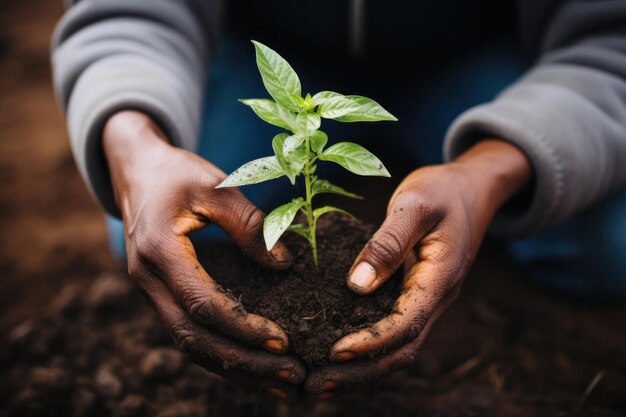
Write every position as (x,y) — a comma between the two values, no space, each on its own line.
(77,339)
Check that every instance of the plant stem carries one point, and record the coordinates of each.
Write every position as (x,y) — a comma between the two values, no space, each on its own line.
(309,201)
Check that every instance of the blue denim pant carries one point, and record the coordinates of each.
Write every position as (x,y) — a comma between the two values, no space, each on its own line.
(584,257)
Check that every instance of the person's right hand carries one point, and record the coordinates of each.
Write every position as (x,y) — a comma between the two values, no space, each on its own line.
(164,193)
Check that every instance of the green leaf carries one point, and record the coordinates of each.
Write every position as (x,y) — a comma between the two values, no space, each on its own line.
(292,143)
(318,212)
(280,80)
(337,106)
(279,220)
(307,123)
(253,172)
(300,229)
(367,111)
(324,186)
(355,159)
(318,141)
(291,163)
(272,112)
(321,97)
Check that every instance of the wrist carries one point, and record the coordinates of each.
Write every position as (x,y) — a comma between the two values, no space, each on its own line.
(500,169)
(127,134)
(129,140)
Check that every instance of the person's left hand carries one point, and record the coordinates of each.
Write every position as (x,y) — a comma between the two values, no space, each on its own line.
(435,223)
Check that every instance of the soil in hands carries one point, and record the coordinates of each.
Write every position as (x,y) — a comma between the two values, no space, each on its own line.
(313,305)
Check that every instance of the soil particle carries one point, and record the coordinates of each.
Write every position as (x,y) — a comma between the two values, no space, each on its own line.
(131,406)
(109,292)
(162,363)
(107,383)
(83,402)
(313,305)
(185,409)
(67,302)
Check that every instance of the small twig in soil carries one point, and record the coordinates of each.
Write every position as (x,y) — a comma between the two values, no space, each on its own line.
(495,377)
(323,308)
(592,385)
(312,317)
(471,363)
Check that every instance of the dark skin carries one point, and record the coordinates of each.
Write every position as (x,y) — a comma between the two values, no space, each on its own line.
(438,215)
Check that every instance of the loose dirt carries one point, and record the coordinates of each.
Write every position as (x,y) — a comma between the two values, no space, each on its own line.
(313,305)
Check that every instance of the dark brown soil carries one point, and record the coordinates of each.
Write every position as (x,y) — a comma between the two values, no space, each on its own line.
(313,305)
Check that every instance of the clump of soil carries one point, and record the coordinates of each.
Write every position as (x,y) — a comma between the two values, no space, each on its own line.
(313,305)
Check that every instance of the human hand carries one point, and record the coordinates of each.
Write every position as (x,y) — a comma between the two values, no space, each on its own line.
(435,223)
(164,193)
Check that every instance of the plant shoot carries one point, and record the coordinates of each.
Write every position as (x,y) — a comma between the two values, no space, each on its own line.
(299,151)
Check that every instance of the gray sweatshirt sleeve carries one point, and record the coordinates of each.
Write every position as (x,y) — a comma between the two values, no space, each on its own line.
(147,55)
(568,114)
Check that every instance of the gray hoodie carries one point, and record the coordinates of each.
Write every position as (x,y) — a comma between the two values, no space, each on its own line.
(568,113)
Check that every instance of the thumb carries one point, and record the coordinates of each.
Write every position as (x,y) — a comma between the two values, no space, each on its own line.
(386,250)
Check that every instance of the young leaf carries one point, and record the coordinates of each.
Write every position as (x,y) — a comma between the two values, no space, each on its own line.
(300,229)
(279,220)
(355,158)
(323,96)
(272,112)
(253,172)
(367,111)
(292,163)
(318,212)
(307,123)
(324,186)
(280,80)
(292,143)
(318,141)
(337,106)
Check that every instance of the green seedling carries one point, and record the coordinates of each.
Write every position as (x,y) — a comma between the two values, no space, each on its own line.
(298,152)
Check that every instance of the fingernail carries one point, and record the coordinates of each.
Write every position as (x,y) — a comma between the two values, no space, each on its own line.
(287,375)
(273,345)
(325,395)
(328,385)
(278,393)
(280,255)
(363,275)
(343,356)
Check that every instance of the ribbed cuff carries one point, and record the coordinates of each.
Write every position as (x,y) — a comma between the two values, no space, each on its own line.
(124,83)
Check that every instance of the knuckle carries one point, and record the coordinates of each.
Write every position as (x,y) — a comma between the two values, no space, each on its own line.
(199,307)
(184,338)
(422,208)
(388,247)
(251,219)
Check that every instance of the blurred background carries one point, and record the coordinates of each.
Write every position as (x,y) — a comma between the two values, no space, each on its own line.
(78,340)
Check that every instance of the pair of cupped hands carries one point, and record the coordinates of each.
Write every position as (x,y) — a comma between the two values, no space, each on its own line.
(435,222)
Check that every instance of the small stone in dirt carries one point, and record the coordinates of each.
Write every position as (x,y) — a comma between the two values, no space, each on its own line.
(130,406)
(184,410)
(162,363)
(83,402)
(46,391)
(22,334)
(67,301)
(107,383)
(50,379)
(110,291)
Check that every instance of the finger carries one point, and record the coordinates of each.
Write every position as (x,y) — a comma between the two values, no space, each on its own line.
(174,261)
(408,221)
(339,379)
(218,353)
(243,222)
(429,287)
